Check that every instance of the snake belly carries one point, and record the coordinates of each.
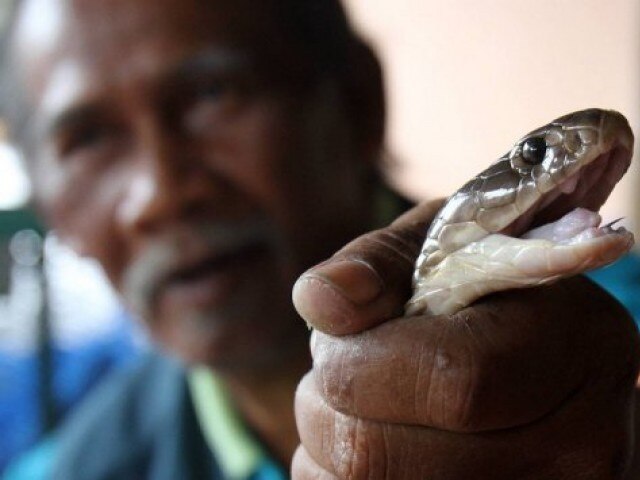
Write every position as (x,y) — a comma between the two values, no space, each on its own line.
(530,218)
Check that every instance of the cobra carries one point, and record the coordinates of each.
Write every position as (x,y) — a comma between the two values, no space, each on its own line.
(530,218)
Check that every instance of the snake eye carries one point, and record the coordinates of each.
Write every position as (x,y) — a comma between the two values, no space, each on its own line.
(534,150)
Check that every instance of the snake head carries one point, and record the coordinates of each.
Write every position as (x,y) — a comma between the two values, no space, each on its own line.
(565,145)
(574,161)
(530,218)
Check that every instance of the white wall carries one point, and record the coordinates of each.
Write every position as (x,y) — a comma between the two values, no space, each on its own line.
(468,77)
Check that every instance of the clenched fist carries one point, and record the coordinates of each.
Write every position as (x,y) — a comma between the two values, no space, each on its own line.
(528,384)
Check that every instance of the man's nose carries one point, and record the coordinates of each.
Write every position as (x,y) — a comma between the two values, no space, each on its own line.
(167,185)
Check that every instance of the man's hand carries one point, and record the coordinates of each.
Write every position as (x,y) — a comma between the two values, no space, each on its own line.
(528,384)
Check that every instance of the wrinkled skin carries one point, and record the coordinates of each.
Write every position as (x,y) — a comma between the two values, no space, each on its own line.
(533,384)
(142,166)
(175,145)
(172,120)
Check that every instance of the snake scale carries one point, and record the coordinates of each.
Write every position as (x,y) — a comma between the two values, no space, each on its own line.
(530,218)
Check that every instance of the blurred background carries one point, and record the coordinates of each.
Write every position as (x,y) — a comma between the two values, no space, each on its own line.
(465,80)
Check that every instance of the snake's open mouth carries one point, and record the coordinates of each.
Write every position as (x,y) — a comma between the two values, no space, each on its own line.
(529,219)
(586,189)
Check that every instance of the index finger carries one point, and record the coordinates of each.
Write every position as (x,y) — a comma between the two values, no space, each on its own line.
(369,280)
(509,360)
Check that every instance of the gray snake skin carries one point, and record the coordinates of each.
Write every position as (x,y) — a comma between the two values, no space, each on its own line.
(565,169)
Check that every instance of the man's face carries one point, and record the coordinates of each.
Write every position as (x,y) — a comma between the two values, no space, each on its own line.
(171,143)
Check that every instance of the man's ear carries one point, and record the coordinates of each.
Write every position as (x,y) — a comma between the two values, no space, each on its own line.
(365,98)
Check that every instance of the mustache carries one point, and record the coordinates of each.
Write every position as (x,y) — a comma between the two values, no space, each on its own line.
(171,252)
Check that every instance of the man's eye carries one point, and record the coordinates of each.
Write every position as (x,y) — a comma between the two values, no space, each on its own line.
(83,138)
(210,104)
(212,90)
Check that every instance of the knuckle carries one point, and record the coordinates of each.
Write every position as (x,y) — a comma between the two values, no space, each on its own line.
(398,245)
(393,246)
(435,382)
(359,451)
(334,373)
(450,379)
(304,468)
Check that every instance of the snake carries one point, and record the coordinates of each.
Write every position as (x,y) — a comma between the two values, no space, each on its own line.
(529,219)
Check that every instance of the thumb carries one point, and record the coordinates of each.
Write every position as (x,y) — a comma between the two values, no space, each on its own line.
(368,281)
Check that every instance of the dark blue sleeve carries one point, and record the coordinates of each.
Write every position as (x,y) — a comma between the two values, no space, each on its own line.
(139,425)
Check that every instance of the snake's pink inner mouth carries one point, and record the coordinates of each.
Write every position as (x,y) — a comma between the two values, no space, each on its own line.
(588,188)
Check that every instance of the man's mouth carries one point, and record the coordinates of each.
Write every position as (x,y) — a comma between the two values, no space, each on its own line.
(209,280)
(198,267)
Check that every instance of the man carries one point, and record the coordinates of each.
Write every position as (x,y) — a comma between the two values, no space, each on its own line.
(207,153)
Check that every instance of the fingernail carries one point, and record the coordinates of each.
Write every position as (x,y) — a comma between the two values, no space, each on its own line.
(357,281)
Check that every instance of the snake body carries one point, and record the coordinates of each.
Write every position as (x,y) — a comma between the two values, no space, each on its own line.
(530,218)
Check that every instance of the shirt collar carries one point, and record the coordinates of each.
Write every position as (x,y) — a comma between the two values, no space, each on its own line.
(237,452)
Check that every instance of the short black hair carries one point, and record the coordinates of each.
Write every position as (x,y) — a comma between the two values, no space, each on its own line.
(325,32)
(321,29)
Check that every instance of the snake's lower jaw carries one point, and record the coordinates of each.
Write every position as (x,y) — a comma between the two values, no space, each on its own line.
(573,244)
